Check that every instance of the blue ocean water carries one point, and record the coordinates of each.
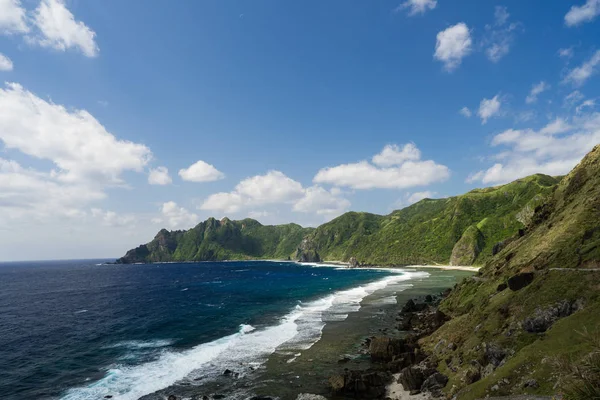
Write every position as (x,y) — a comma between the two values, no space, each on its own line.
(81,330)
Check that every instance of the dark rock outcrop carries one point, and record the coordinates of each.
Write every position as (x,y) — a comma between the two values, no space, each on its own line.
(434,382)
(411,378)
(543,319)
(360,384)
(519,281)
(307,252)
(353,262)
(385,349)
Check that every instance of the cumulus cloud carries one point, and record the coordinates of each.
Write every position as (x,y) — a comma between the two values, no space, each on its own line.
(579,75)
(272,188)
(465,112)
(176,217)
(417,6)
(324,202)
(12,17)
(399,174)
(536,90)
(5,63)
(499,36)
(111,218)
(394,155)
(159,176)
(201,171)
(452,45)
(587,12)
(87,160)
(573,98)
(58,29)
(489,108)
(554,149)
(80,147)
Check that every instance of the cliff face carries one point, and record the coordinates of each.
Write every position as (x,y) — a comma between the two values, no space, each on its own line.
(532,303)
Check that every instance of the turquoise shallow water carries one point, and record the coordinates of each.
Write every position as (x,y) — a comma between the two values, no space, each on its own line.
(81,330)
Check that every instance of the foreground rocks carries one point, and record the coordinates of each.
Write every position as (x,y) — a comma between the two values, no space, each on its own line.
(402,356)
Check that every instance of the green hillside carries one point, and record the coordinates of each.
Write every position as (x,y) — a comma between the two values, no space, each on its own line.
(423,233)
(426,232)
(213,240)
(529,336)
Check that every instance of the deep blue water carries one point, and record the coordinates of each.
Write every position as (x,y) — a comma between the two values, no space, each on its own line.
(78,330)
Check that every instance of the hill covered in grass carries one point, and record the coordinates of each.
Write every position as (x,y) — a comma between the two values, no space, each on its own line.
(214,240)
(529,322)
(463,230)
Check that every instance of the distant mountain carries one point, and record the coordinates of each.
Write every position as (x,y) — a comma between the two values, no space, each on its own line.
(213,240)
(462,230)
(529,322)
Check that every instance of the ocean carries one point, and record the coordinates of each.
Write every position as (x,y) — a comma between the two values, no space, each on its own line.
(84,329)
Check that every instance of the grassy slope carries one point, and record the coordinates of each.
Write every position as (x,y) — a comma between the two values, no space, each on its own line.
(221,240)
(427,231)
(565,233)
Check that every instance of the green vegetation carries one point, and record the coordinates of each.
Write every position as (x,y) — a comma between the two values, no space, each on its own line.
(424,233)
(213,240)
(561,247)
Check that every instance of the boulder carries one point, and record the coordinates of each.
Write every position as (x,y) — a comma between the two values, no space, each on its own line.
(501,287)
(336,383)
(410,306)
(519,281)
(494,354)
(411,378)
(172,397)
(360,384)
(436,381)
(384,349)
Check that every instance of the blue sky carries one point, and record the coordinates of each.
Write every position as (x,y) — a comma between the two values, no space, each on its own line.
(118,118)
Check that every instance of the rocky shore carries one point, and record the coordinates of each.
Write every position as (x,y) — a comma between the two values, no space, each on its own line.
(399,367)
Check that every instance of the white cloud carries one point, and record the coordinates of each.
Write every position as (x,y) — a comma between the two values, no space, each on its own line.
(573,98)
(12,17)
(412,198)
(79,146)
(322,202)
(112,219)
(577,76)
(59,30)
(176,217)
(201,171)
(258,214)
(489,108)
(159,176)
(453,44)
(585,13)
(5,63)
(536,90)
(417,6)
(465,112)
(499,36)
(591,103)
(404,174)
(272,188)
(394,155)
(566,52)
(554,149)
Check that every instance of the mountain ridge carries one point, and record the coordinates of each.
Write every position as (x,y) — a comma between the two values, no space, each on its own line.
(423,233)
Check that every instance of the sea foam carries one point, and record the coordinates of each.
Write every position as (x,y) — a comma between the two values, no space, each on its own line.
(296,331)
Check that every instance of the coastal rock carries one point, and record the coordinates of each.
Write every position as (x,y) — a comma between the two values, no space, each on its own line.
(434,382)
(172,397)
(360,384)
(497,248)
(307,252)
(308,396)
(411,378)
(519,281)
(353,262)
(384,349)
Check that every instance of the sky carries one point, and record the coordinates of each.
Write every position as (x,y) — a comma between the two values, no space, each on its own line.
(119,118)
